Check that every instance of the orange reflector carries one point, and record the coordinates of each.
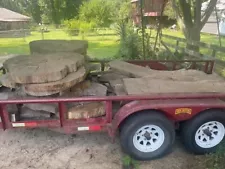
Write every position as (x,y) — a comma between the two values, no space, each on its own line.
(33,124)
(90,128)
(95,128)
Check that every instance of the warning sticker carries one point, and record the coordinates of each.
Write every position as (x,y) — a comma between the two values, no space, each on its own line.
(183,111)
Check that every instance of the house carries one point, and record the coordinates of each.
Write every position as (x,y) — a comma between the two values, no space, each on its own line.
(151,10)
(10,20)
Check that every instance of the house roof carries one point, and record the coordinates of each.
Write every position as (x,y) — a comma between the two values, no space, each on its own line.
(10,16)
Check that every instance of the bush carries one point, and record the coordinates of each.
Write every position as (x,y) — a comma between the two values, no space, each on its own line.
(72,27)
(129,41)
(99,12)
(75,27)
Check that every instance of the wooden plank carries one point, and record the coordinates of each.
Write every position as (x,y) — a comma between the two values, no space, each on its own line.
(190,52)
(173,46)
(174,38)
(136,86)
(168,49)
(200,44)
(128,69)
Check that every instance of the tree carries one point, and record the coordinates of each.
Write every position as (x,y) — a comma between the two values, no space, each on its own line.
(13,5)
(34,9)
(71,8)
(168,11)
(46,11)
(99,12)
(191,17)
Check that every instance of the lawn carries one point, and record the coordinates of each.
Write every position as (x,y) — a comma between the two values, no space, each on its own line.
(100,46)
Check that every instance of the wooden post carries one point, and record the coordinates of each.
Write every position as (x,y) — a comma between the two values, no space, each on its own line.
(217,20)
(214,53)
(42,34)
(143,28)
(177,45)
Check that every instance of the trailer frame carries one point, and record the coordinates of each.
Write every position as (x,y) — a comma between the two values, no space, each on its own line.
(168,104)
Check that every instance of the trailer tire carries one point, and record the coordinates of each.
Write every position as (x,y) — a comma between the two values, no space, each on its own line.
(205,132)
(147,136)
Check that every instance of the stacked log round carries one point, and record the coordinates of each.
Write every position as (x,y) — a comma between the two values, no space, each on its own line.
(44,74)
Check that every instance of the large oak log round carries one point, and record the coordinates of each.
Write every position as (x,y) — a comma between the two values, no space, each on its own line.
(55,46)
(42,68)
(45,89)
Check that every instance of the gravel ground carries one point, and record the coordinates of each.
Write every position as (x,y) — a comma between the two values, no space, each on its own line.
(44,149)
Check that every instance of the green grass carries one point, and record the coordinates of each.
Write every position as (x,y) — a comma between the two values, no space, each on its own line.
(206,38)
(100,46)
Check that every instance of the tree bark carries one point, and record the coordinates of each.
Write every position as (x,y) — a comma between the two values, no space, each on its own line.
(192,24)
(193,35)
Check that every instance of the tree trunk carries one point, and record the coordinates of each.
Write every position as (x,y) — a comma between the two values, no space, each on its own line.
(193,35)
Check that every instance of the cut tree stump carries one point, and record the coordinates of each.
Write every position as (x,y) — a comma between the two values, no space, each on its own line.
(55,46)
(42,68)
(88,110)
(136,86)
(46,89)
(128,69)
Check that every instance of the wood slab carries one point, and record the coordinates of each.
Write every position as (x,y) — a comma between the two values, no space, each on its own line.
(79,87)
(111,75)
(48,108)
(118,87)
(7,81)
(183,75)
(134,86)
(45,89)
(55,46)
(95,89)
(42,68)
(27,113)
(128,69)
(88,110)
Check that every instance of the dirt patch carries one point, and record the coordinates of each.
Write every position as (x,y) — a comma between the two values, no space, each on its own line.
(35,149)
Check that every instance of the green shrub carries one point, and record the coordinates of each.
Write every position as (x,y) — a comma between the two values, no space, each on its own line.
(129,163)
(72,26)
(130,41)
(216,161)
(75,27)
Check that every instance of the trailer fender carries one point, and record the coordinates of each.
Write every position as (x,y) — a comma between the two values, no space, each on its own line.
(134,107)
(174,110)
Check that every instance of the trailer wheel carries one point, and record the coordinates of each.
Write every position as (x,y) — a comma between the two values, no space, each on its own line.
(147,136)
(204,133)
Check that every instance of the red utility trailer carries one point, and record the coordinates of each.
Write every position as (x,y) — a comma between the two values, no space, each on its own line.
(146,124)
